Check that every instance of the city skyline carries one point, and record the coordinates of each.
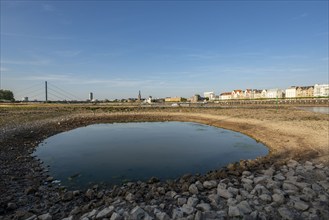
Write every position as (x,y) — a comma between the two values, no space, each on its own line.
(114,49)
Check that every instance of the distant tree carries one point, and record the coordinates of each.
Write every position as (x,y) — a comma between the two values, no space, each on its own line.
(6,95)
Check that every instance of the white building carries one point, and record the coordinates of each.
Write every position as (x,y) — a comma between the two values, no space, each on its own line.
(291,92)
(274,93)
(209,95)
(225,96)
(321,90)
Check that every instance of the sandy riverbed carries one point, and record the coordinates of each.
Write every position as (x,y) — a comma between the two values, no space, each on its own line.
(289,133)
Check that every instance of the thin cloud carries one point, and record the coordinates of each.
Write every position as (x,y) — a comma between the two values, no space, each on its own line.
(30,62)
(48,7)
(289,57)
(3,69)
(36,36)
(67,53)
(301,16)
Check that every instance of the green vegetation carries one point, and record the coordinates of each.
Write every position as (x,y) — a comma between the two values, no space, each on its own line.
(6,95)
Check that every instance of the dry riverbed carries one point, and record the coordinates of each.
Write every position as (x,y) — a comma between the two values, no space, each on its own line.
(290,183)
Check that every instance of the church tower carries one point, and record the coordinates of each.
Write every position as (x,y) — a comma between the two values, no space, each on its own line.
(139,96)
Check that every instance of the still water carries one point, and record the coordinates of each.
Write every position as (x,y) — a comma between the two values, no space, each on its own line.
(119,152)
(323,110)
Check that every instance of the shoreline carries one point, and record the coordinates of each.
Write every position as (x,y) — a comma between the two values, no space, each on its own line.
(17,144)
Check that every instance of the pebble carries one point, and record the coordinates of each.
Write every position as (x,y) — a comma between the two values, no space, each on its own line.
(106,212)
(210,184)
(193,189)
(233,211)
(224,193)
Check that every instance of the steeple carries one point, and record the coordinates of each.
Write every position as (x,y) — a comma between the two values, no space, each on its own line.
(139,96)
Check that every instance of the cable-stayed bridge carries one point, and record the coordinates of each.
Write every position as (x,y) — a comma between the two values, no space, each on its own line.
(46,91)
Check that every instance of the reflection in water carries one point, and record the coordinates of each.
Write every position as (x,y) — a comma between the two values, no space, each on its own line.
(119,152)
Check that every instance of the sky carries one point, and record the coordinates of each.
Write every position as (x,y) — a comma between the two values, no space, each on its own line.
(163,48)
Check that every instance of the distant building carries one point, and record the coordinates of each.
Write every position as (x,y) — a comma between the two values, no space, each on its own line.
(321,90)
(237,94)
(225,96)
(305,91)
(173,99)
(263,93)
(274,93)
(139,98)
(300,91)
(291,92)
(210,95)
(247,94)
(196,98)
(149,100)
(256,94)
(91,96)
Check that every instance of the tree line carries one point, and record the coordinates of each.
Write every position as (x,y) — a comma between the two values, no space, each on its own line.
(6,95)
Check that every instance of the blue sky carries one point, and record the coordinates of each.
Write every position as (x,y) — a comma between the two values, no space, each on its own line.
(163,48)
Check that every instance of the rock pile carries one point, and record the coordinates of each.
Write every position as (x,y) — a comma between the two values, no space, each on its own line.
(288,191)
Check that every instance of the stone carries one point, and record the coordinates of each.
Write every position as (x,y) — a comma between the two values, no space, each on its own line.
(319,166)
(68,196)
(269,172)
(289,186)
(232,190)
(162,216)
(29,190)
(260,180)
(181,201)
(279,177)
(171,194)
(115,216)
(198,216)
(46,216)
(106,212)
(266,198)
(221,185)
(278,198)
(193,189)
(130,197)
(246,173)
(76,192)
(210,184)
(248,181)
(309,192)
(177,213)
(214,199)
(244,207)
(203,207)
(192,201)
(247,187)
(285,213)
(324,184)
(254,215)
(224,193)
(68,218)
(199,185)
(300,205)
(91,214)
(161,190)
(231,202)
(292,164)
(90,194)
(259,189)
(11,206)
(187,209)
(50,179)
(137,213)
(233,211)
